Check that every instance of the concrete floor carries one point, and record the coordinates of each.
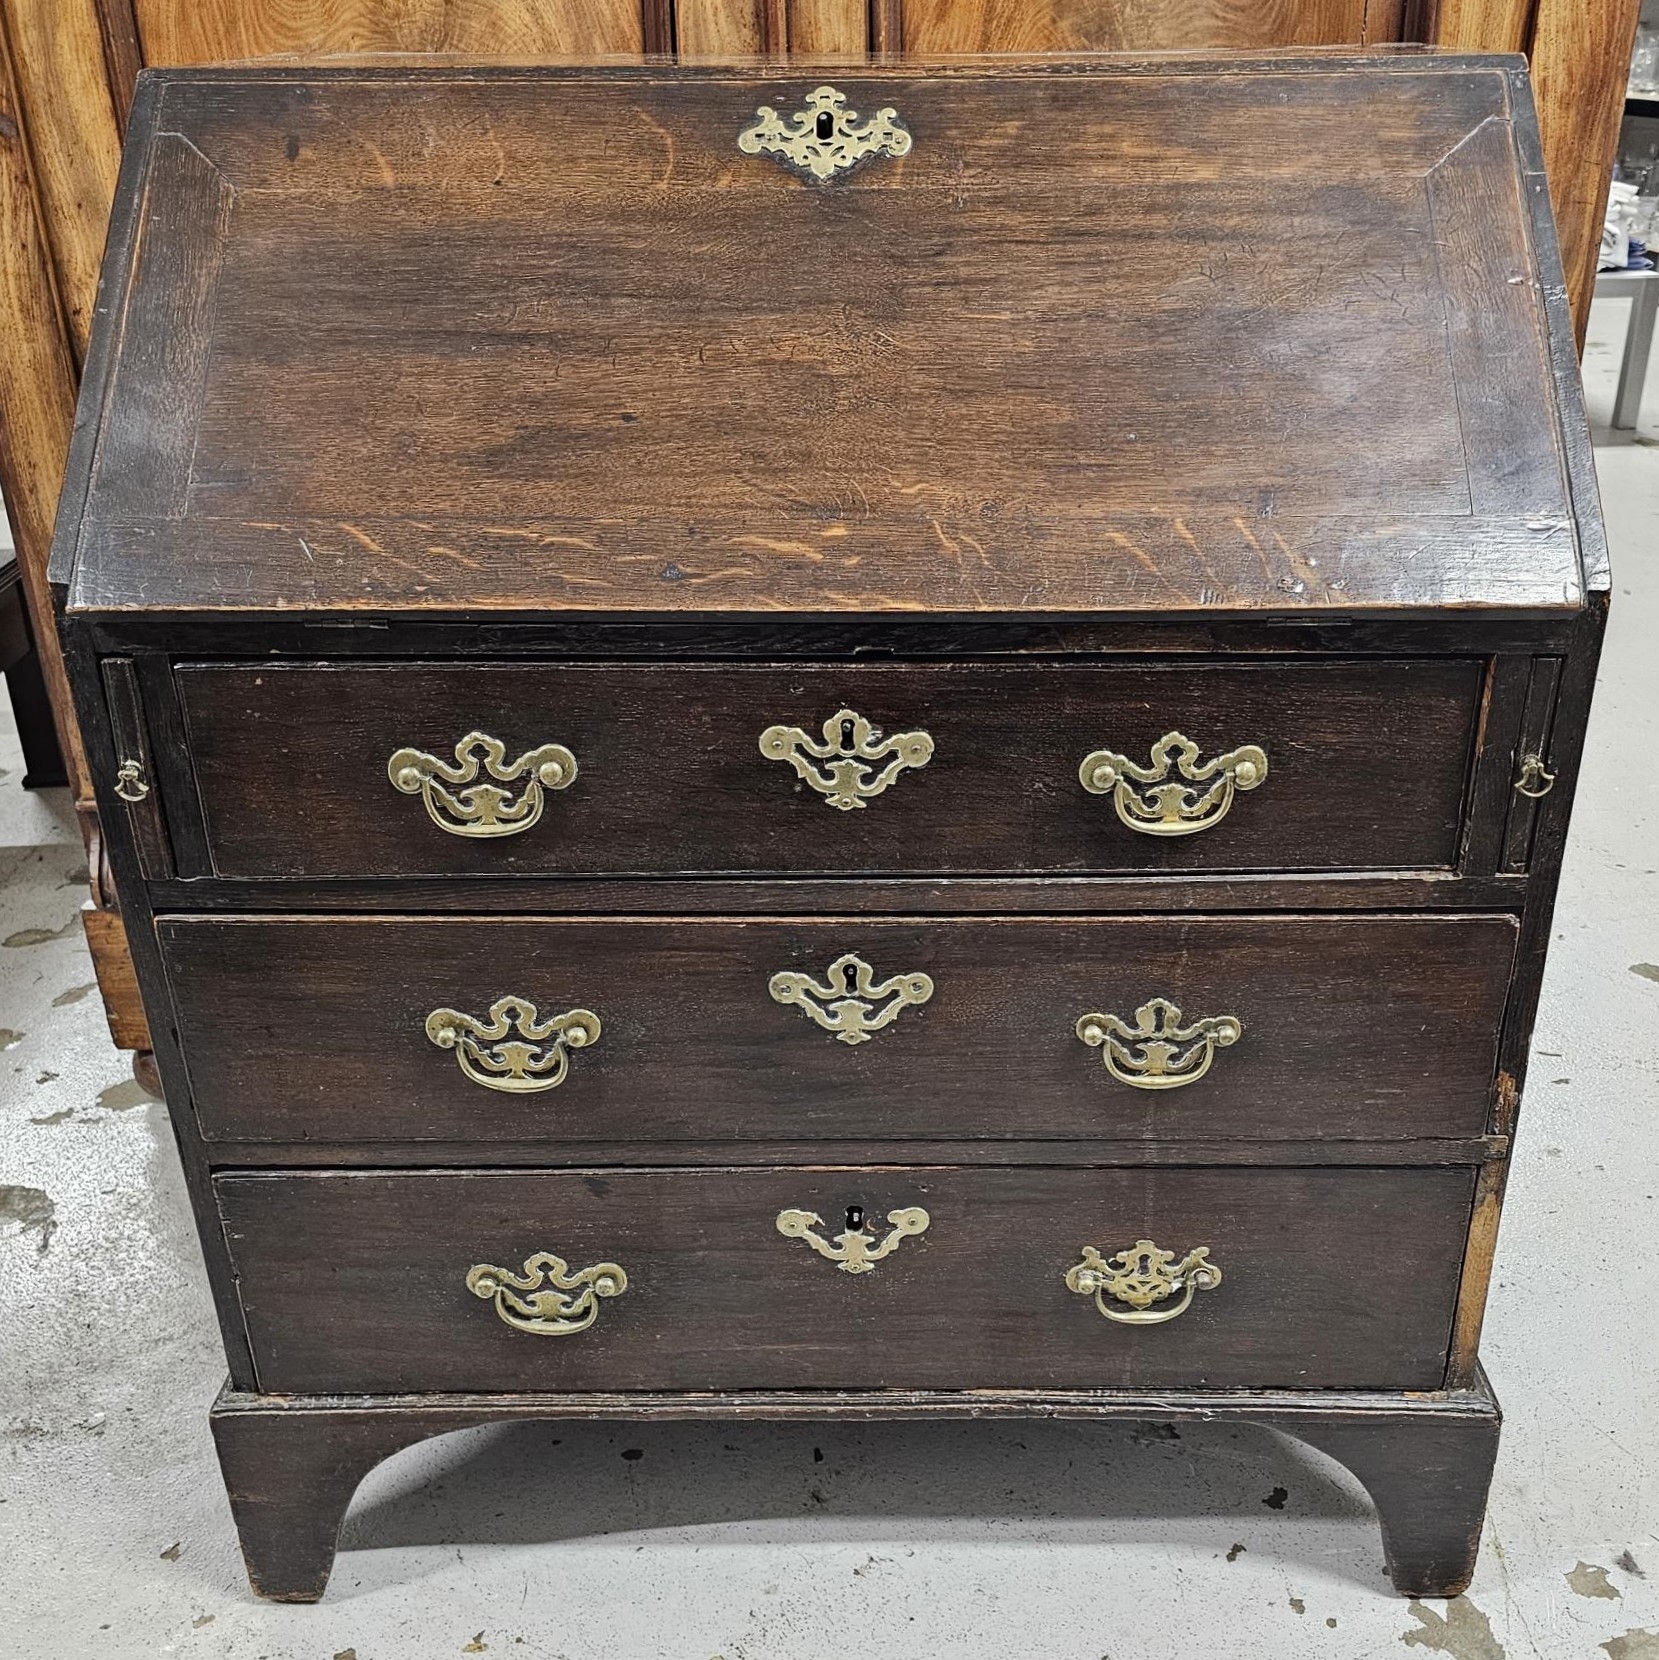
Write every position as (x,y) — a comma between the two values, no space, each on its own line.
(803,1543)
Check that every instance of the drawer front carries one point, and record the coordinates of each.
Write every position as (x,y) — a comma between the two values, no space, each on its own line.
(366,1029)
(972,768)
(1328,1278)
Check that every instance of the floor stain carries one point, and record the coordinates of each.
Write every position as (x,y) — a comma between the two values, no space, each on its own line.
(10,1039)
(1648,971)
(1633,1645)
(1464,1632)
(201,1620)
(173,1551)
(1628,1562)
(1276,1499)
(1589,1580)
(1235,1553)
(46,1077)
(30,1207)
(346,1654)
(476,1646)
(45,936)
(73,995)
(1297,1606)
(61,1117)
(123,1097)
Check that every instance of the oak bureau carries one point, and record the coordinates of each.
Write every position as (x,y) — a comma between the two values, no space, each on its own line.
(878,744)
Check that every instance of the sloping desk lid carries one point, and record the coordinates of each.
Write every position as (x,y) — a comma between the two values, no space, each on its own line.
(1150,337)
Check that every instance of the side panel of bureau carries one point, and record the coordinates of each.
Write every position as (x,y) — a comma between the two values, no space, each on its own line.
(317,1029)
(1366,765)
(1328,1278)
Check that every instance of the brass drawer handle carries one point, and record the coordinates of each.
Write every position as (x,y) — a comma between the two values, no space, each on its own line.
(559,1303)
(849,1002)
(825,138)
(1165,808)
(490,1056)
(1140,1277)
(1158,1052)
(463,807)
(854,1250)
(839,766)
(131,784)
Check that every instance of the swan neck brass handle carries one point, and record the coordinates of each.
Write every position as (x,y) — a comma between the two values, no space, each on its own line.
(1150,800)
(546,1297)
(855,1249)
(458,802)
(489,1052)
(1535,780)
(1130,1286)
(850,1001)
(1161,1050)
(851,762)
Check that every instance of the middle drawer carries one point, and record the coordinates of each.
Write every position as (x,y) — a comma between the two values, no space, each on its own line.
(1142,1028)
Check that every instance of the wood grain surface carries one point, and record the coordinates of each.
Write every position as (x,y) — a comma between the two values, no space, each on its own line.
(214,31)
(1580,62)
(313,1029)
(37,396)
(1367,763)
(1130,25)
(1341,1279)
(1070,413)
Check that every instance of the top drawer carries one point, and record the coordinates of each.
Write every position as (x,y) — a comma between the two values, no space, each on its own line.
(970,768)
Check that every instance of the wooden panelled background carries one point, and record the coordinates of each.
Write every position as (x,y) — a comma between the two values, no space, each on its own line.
(67,67)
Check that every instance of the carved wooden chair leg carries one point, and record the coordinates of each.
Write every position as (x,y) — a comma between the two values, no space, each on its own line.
(1428,1478)
(291,1474)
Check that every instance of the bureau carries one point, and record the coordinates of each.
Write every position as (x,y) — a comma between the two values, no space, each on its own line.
(884,749)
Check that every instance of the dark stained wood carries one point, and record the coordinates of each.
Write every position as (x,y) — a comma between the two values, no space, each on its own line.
(312,1030)
(1367,766)
(1336,1278)
(291,1465)
(607,425)
(1090,1154)
(520,400)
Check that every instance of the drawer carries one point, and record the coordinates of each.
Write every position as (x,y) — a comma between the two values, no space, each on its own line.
(1328,1278)
(970,768)
(365,1029)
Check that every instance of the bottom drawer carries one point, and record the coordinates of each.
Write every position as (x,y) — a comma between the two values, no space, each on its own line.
(716,1279)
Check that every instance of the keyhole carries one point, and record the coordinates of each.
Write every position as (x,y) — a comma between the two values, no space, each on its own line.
(847,736)
(826,125)
(855,1218)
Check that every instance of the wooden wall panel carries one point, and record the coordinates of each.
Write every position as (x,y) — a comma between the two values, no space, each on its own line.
(828,28)
(1580,64)
(75,147)
(1130,25)
(208,31)
(713,30)
(37,392)
(1478,25)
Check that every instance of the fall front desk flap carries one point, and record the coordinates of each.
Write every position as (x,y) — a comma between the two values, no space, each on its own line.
(1088,336)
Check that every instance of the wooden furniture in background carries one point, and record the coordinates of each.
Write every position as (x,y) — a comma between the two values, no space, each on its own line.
(67,69)
(906,718)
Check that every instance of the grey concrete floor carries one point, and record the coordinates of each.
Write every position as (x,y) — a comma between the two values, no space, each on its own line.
(803,1543)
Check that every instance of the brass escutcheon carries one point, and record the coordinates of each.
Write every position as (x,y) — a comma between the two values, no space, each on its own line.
(826,138)
(1160,807)
(1140,1277)
(850,1002)
(456,803)
(490,1056)
(851,762)
(556,1302)
(1158,1051)
(854,1250)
